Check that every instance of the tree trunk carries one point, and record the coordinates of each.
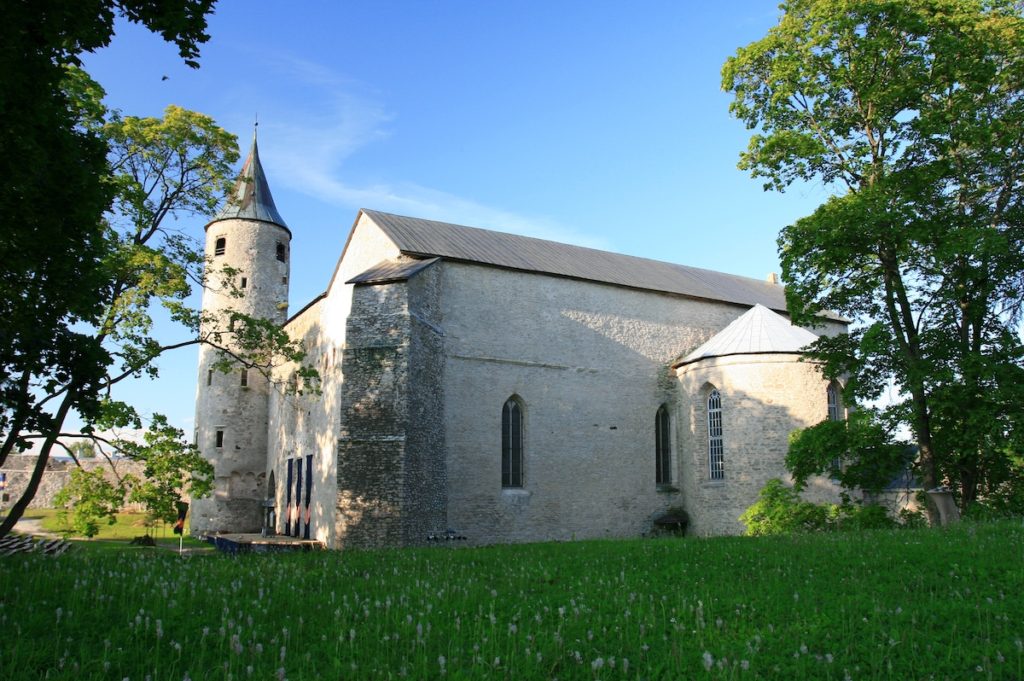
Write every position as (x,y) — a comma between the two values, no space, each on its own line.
(18,509)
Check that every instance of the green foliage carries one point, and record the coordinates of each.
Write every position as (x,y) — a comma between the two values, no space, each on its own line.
(121,258)
(912,113)
(172,468)
(880,605)
(88,499)
(780,510)
(55,286)
(83,449)
(863,446)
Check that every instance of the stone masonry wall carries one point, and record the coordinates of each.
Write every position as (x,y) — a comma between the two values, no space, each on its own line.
(58,471)
(764,398)
(374,402)
(310,424)
(223,403)
(425,497)
(590,364)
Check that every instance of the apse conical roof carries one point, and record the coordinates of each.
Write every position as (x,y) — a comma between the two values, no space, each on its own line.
(251,198)
(756,331)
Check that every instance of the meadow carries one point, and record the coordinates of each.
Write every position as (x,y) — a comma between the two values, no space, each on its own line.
(905,604)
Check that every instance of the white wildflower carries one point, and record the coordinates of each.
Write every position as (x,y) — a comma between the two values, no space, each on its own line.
(709,661)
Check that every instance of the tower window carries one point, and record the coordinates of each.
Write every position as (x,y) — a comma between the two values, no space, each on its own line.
(220,439)
(512,444)
(245,282)
(245,377)
(834,414)
(220,246)
(280,251)
(284,280)
(662,448)
(209,377)
(716,449)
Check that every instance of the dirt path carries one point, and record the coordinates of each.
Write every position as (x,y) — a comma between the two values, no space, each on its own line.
(34,526)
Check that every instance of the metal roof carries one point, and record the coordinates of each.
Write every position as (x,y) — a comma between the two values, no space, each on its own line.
(251,198)
(756,331)
(391,270)
(427,238)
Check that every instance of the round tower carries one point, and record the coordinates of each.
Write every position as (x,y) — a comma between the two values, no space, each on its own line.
(251,238)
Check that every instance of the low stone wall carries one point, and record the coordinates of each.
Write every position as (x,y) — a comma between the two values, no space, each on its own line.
(58,471)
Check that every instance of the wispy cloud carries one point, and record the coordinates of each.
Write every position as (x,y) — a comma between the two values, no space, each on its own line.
(309,146)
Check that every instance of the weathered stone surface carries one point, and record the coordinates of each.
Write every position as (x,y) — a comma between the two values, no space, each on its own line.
(19,469)
(223,404)
(405,433)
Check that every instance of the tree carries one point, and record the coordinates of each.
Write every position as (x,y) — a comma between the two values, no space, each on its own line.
(160,168)
(52,202)
(82,449)
(88,499)
(911,112)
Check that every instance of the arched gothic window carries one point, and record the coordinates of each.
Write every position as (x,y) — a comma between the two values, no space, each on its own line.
(512,443)
(835,413)
(662,447)
(832,393)
(716,451)
(220,246)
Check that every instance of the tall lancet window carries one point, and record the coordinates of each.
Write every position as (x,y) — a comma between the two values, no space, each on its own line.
(512,443)
(832,393)
(835,413)
(662,447)
(716,451)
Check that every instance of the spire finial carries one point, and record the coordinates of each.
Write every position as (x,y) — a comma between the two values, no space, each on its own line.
(255,125)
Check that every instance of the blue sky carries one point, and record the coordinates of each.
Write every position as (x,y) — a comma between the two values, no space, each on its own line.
(601,124)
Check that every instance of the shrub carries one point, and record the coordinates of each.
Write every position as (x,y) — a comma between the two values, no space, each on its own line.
(779,510)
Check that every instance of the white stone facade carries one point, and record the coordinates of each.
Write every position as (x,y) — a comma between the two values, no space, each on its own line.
(418,353)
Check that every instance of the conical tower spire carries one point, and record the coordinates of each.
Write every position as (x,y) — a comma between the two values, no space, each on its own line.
(251,198)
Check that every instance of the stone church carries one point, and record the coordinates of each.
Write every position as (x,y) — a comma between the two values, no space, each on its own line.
(507,388)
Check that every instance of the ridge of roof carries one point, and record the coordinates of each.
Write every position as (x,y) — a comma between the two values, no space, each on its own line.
(251,198)
(430,238)
(756,331)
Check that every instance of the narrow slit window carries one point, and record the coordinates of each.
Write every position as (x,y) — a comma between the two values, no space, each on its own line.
(662,447)
(209,377)
(280,251)
(512,444)
(284,280)
(220,439)
(220,246)
(245,378)
(716,450)
(834,414)
(245,282)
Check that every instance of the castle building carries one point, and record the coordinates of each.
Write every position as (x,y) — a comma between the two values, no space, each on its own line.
(508,388)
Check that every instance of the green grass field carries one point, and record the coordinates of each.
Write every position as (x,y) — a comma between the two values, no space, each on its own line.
(911,604)
(111,537)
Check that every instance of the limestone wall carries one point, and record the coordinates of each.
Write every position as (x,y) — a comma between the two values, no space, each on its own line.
(224,403)
(310,424)
(19,469)
(590,363)
(764,398)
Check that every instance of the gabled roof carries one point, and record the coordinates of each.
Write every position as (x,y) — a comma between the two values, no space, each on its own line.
(756,331)
(251,198)
(426,238)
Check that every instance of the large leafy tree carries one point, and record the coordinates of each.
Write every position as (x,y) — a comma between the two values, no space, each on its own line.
(52,201)
(88,204)
(911,112)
